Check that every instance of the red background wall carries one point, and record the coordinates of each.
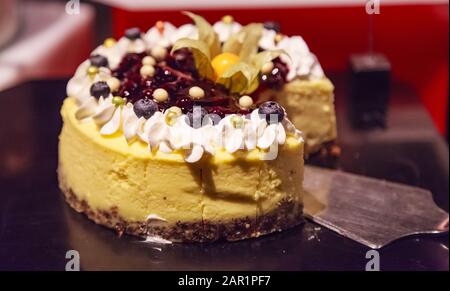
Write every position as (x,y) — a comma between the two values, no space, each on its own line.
(414,37)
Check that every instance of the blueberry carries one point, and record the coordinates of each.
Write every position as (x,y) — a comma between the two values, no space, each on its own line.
(145,108)
(98,61)
(133,33)
(99,89)
(271,108)
(195,116)
(272,25)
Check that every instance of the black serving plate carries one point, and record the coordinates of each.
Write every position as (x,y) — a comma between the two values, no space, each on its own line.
(37,228)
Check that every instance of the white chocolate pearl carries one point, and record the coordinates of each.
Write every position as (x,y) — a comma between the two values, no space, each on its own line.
(160,95)
(245,101)
(196,92)
(148,60)
(113,84)
(267,68)
(159,52)
(147,71)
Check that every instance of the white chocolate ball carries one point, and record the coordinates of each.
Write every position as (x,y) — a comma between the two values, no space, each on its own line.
(147,71)
(158,52)
(113,84)
(160,95)
(245,101)
(267,68)
(196,92)
(148,60)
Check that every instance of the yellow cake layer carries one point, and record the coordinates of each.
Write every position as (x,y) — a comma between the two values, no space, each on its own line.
(108,172)
(310,107)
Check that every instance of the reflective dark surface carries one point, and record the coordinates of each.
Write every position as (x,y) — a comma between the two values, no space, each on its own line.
(37,227)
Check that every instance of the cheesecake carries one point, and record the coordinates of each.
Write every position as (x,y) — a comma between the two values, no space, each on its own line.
(154,194)
(181,134)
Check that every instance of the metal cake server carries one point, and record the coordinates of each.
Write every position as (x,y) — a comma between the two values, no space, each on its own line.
(370,211)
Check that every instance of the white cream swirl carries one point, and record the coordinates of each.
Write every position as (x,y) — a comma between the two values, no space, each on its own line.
(186,30)
(111,117)
(127,45)
(156,37)
(254,133)
(113,53)
(301,62)
(267,41)
(79,85)
(225,30)
(82,68)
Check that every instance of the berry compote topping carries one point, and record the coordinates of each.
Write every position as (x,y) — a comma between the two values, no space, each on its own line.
(176,74)
(276,78)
